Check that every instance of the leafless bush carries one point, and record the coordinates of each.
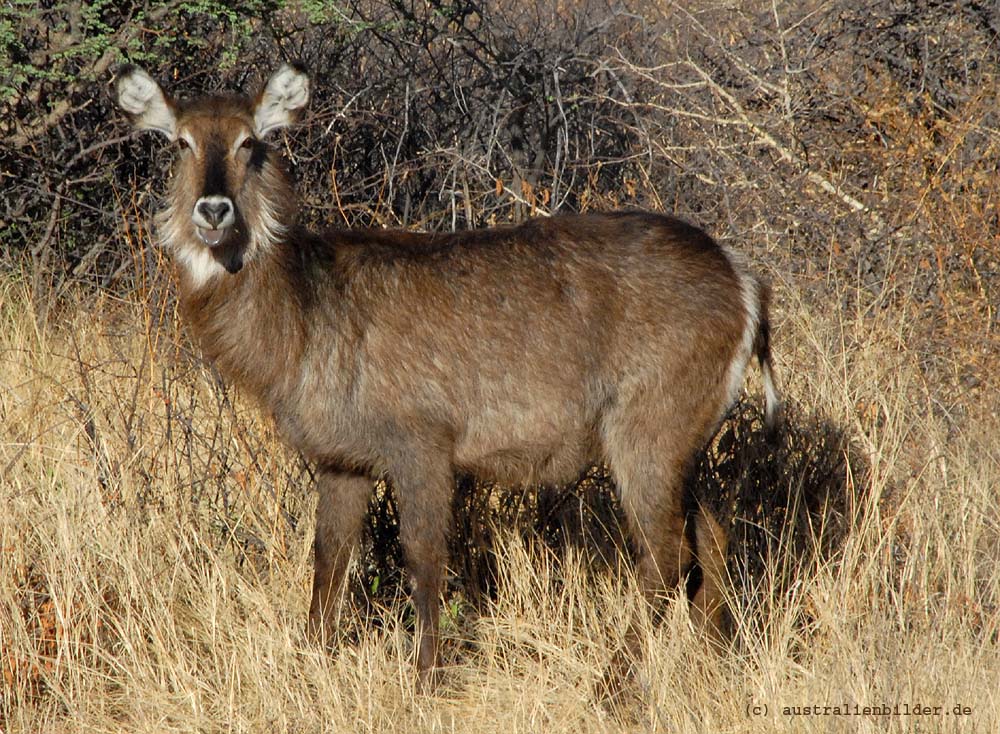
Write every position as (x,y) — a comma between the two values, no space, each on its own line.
(853,143)
(792,129)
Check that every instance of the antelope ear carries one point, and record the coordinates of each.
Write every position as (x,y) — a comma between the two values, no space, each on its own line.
(286,92)
(144,102)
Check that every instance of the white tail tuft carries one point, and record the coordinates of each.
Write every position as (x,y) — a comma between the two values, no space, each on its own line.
(772,403)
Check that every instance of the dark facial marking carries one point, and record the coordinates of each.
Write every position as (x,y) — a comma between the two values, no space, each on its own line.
(258,155)
(215,171)
(230,255)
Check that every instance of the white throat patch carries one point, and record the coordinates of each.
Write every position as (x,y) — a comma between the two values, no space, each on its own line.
(200,265)
(193,257)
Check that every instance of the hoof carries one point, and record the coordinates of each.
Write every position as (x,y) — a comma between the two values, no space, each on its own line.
(430,680)
(619,691)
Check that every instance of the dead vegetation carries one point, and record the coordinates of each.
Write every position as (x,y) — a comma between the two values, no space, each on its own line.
(154,560)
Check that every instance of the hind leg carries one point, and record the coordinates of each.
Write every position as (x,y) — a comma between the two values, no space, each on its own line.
(709,602)
(652,499)
(649,471)
(656,520)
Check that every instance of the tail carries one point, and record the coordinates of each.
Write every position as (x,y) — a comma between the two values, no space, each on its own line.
(762,348)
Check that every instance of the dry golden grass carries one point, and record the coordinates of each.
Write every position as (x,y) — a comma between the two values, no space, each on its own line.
(152,577)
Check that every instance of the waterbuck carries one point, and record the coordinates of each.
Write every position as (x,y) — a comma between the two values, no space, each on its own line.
(520,354)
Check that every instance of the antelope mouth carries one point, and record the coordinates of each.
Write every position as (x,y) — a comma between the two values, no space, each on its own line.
(212,237)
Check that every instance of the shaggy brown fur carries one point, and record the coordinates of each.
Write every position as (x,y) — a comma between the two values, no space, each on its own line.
(519,354)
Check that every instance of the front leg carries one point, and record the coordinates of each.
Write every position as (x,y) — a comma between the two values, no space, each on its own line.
(343,501)
(424,494)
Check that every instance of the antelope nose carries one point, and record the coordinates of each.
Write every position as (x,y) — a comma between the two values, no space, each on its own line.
(215,211)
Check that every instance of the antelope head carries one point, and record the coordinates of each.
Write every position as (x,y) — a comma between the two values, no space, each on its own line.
(229,200)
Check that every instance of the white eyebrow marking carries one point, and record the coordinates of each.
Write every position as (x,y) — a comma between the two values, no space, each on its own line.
(239,141)
(189,138)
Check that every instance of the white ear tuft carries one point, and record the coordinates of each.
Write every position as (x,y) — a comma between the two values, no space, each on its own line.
(141,97)
(287,91)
